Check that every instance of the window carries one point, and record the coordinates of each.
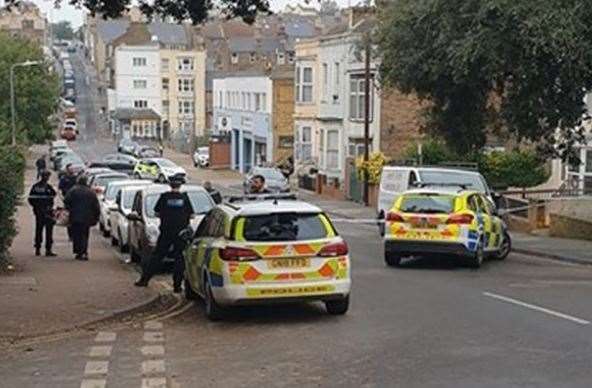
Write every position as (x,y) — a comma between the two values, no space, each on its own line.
(234,58)
(185,63)
(253,57)
(332,150)
(186,84)
(357,98)
(257,102)
(139,61)
(305,141)
(164,64)
(186,126)
(165,84)
(186,107)
(140,104)
(28,24)
(228,100)
(325,81)
(291,56)
(290,227)
(589,161)
(165,107)
(281,58)
(433,204)
(220,99)
(264,102)
(304,84)
(356,147)
(140,84)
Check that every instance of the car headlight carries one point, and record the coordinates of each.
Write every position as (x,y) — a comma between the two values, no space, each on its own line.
(152,233)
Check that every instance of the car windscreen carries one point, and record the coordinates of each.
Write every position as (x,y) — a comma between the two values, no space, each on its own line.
(427,203)
(284,227)
(127,200)
(200,201)
(165,163)
(112,191)
(470,181)
(102,181)
(269,173)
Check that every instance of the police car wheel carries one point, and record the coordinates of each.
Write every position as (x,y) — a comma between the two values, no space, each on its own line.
(337,307)
(478,257)
(213,311)
(392,259)
(137,176)
(189,293)
(161,179)
(505,247)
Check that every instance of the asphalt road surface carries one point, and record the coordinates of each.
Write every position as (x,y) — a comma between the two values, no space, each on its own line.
(524,322)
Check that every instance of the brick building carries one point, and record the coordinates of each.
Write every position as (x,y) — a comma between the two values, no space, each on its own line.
(26,21)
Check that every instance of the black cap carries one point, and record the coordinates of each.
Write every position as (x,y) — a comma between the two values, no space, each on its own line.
(176,181)
(45,174)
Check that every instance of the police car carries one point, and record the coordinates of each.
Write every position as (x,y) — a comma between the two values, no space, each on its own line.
(445,221)
(263,249)
(160,170)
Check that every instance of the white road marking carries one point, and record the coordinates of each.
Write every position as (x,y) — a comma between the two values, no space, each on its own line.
(154,382)
(152,325)
(93,383)
(105,336)
(150,367)
(152,350)
(537,308)
(96,368)
(151,336)
(100,351)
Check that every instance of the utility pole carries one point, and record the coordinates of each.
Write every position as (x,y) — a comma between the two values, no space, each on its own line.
(367,117)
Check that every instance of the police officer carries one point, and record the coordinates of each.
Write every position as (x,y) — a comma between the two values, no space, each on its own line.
(41,198)
(175,211)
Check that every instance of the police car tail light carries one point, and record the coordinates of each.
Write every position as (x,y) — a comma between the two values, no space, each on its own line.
(238,254)
(460,219)
(394,217)
(336,249)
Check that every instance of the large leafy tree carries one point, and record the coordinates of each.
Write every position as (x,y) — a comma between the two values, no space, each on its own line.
(520,66)
(63,30)
(195,10)
(36,91)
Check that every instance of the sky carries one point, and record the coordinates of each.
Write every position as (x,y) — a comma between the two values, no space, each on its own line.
(75,16)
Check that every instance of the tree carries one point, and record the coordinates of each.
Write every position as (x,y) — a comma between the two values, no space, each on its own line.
(36,91)
(329,8)
(62,30)
(523,67)
(194,10)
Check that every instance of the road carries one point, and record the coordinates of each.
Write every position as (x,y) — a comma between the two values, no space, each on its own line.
(524,322)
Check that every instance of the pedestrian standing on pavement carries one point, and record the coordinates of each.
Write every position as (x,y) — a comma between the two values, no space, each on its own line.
(83,206)
(41,198)
(160,149)
(215,194)
(175,211)
(41,165)
(257,185)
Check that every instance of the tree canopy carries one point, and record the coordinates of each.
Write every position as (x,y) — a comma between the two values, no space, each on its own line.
(36,91)
(62,30)
(195,10)
(485,65)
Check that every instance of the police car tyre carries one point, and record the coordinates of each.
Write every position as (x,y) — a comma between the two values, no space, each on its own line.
(213,311)
(189,293)
(381,226)
(137,176)
(392,259)
(477,259)
(161,179)
(337,307)
(505,247)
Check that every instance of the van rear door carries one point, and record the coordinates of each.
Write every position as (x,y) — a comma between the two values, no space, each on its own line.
(393,182)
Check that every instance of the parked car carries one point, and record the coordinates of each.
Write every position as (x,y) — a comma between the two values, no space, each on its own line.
(57,146)
(89,172)
(275,181)
(146,152)
(201,157)
(117,162)
(68,133)
(70,122)
(118,218)
(143,223)
(159,170)
(445,221)
(395,180)
(266,251)
(108,203)
(126,146)
(70,113)
(100,181)
(58,155)
(72,159)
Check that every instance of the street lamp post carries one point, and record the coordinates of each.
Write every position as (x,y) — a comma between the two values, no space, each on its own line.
(12,109)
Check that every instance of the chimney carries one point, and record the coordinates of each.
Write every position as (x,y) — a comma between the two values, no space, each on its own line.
(357,14)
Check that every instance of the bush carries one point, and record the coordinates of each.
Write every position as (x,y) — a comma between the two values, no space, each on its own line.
(434,152)
(373,168)
(519,168)
(12,167)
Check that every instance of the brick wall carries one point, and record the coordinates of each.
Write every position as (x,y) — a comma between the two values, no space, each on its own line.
(400,121)
(283,115)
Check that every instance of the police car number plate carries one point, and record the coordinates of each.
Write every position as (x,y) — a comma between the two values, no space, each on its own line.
(288,263)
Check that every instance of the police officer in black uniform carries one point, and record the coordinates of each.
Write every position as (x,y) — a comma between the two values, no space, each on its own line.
(41,198)
(175,211)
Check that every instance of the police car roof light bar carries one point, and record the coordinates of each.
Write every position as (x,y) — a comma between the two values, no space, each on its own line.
(261,197)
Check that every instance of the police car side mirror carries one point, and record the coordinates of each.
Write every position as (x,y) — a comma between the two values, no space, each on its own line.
(186,234)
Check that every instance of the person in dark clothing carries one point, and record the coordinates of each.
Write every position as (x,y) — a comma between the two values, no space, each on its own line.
(83,205)
(215,194)
(258,185)
(41,198)
(41,165)
(67,181)
(175,211)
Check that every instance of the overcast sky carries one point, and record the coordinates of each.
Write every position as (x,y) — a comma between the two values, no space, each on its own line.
(74,16)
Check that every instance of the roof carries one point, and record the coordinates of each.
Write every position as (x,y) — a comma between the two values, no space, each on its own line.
(135,114)
(440,190)
(158,188)
(110,30)
(242,44)
(443,169)
(130,182)
(270,206)
(168,33)
(300,29)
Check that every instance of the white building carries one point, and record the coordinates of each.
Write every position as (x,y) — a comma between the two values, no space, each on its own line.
(242,109)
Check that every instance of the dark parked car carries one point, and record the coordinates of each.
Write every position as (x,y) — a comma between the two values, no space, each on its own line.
(117,162)
(146,152)
(127,146)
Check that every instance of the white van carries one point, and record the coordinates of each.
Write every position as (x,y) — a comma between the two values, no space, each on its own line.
(395,180)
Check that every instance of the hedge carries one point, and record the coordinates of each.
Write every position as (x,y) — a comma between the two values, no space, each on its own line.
(12,168)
